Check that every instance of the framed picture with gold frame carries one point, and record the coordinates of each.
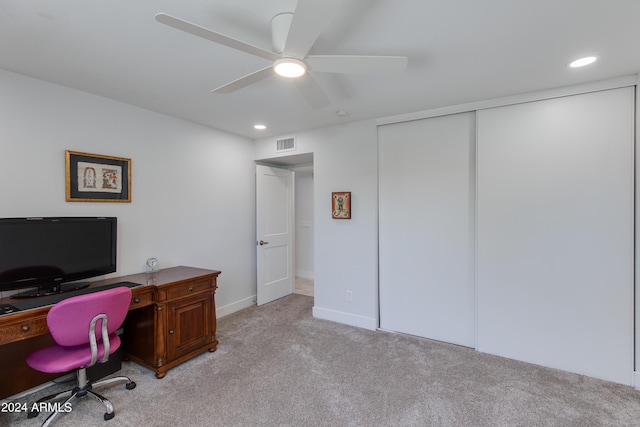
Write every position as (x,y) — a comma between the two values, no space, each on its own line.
(341,204)
(97,178)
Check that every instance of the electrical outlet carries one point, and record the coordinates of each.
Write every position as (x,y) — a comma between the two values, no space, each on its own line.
(349,296)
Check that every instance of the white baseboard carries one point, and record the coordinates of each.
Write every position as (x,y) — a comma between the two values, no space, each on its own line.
(305,274)
(235,306)
(346,318)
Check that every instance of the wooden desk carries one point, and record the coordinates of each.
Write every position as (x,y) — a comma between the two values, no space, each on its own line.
(172,318)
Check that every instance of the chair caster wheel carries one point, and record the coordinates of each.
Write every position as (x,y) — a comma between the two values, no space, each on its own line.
(33,414)
(131,385)
(108,416)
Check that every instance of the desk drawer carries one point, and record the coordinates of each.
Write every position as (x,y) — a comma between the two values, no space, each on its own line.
(24,329)
(188,288)
(141,300)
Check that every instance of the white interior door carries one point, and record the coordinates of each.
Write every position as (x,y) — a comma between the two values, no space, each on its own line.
(274,225)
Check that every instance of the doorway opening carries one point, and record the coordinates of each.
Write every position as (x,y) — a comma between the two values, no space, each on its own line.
(302,166)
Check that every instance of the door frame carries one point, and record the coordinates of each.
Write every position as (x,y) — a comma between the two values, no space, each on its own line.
(291,162)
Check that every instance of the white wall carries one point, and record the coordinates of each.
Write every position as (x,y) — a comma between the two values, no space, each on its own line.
(344,159)
(637,245)
(183,209)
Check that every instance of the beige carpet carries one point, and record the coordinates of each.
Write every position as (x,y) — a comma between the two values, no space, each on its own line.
(278,366)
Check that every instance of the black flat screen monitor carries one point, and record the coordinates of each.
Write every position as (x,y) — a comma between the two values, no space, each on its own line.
(47,253)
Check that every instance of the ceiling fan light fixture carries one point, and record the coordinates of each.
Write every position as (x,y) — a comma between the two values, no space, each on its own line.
(289,67)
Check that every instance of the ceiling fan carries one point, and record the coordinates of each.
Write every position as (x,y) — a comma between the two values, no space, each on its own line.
(293,35)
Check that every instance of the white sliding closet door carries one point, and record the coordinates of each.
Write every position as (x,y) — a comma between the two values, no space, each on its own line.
(427,227)
(555,233)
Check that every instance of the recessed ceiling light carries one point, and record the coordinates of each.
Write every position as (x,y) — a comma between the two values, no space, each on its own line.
(259,127)
(289,67)
(583,61)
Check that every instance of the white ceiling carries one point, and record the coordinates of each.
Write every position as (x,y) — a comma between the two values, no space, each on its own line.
(459,51)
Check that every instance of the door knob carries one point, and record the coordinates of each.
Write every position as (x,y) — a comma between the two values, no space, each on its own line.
(262,242)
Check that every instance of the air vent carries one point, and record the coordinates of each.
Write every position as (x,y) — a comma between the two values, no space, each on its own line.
(287,144)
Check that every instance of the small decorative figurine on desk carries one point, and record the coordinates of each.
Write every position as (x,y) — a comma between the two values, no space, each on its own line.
(151,268)
(152,265)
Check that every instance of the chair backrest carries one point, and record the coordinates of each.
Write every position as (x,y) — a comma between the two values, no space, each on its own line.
(69,320)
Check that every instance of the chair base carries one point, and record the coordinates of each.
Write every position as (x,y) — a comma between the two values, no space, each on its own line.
(83,389)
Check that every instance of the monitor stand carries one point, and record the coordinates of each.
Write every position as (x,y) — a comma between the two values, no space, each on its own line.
(58,288)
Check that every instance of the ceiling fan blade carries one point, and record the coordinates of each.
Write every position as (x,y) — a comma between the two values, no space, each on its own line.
(245,81)
(311,91)
(356,64)
(310,18)
(214,36)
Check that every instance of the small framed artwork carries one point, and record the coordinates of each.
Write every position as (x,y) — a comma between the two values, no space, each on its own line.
(97,178)
(341,204)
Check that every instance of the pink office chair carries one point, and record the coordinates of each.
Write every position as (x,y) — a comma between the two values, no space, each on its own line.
(83,328)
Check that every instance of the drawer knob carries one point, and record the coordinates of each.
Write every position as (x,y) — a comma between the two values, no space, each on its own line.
(136,300)
(190,289)
(171,331)
(26,328)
